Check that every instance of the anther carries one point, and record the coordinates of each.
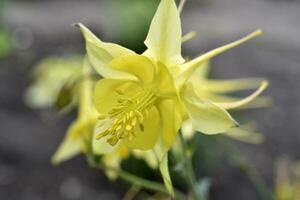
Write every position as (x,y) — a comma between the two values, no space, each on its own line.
(119,91)
(128,127)
(102,116)
(112,141)
(142,127)
(133,121)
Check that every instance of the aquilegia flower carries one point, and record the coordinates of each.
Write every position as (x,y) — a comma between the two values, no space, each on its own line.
(142,100)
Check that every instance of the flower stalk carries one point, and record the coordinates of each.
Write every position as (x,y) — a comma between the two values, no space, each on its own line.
(189,171)
(151,185)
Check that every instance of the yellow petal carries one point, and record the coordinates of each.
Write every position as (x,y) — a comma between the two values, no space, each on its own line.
(106,96)
(140,66)
(113,160)
(187,129)
(165,81)
(101,53)
(207,117)
(232,105)
(69,148)
(146,139)
(164,37)
(112,163)
(201,73)
(148,156)
(171,118)
(245,134)
(190,67)
(162,155)
(86,106)
(164,170)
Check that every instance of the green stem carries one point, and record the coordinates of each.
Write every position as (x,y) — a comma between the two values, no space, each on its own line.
(138,181)
(245,166)
(151,185)
(255,178)
(189,169)
(132,192)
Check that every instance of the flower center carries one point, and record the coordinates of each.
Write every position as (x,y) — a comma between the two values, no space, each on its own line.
(128,116)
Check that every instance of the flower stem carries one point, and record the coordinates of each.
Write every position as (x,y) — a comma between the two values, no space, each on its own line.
(255,178)
(151,185)
(189,169)
(245,166)
(132,192)
(258,183)
(138,181)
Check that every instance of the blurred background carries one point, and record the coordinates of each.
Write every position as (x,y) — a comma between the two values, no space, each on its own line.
(31,30)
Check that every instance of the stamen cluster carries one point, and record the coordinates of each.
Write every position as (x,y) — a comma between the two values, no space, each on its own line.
(127,116)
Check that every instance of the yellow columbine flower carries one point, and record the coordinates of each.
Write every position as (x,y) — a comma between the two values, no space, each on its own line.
(143,99)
